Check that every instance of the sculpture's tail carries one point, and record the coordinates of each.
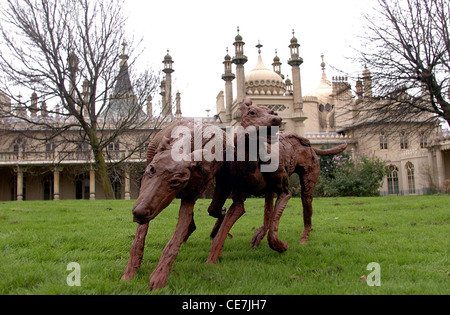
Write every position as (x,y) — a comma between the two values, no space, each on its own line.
(331,151)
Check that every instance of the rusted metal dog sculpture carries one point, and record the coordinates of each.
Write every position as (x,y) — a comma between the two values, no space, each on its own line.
(164,179)
(243,179)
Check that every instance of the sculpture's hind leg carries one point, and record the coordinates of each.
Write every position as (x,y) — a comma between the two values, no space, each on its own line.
(216,209)
(268,209)
(233,214)
(308,180)
(274,242)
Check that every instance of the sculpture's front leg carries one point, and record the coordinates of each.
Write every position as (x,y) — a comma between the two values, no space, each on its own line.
(159,276)
(136,252)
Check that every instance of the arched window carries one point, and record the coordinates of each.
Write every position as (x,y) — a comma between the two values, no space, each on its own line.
(403,141)
(411,179)
(383,141)
(423,140)
(393,187)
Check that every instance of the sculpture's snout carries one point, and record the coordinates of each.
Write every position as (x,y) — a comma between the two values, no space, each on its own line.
(277,121)
(140,215)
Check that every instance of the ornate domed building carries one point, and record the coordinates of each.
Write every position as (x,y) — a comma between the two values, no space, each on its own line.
(332,114)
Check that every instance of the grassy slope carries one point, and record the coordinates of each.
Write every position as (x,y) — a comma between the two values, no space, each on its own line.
(407,236)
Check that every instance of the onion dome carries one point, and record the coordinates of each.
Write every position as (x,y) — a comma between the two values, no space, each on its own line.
(263,81)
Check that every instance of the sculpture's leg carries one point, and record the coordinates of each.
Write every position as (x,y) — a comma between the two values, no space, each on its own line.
(159,276)
(307,214)
(308,183)
(191,229)
(216,209)
(268,209)
(234,213)
(136,252)
(274,242)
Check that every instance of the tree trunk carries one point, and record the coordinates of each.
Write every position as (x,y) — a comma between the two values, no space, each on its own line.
(101,169)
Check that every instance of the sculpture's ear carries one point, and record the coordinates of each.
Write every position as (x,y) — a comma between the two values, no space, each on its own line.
(164,144)
(246,103)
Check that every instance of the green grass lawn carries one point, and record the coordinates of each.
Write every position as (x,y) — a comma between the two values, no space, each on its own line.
(407,236)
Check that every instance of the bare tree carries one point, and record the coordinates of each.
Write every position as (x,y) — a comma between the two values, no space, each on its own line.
(406,47)
(68,52)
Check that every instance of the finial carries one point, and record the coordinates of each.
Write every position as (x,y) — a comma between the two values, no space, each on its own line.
(124,56)
(323,64)
(276,52)
(238,30)
(124,45)
(293,32)
(259,47)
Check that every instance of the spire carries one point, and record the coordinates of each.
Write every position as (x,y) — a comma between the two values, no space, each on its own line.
(123,83)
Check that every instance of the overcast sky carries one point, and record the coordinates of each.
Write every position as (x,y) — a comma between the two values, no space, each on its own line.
(197,33)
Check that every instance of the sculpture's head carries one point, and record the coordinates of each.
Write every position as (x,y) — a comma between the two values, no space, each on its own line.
(258,116)
(162,181)
(165,178)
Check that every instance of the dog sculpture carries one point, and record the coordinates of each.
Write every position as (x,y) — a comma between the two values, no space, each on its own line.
(243,179)
(164,179)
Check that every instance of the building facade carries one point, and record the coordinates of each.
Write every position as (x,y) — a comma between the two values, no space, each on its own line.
(418,155)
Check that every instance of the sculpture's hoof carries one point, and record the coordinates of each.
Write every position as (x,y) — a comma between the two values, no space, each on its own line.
(126,277)
(258,237)
(157,282)
(304,240)
(305,236)
(279,246)
(210,261)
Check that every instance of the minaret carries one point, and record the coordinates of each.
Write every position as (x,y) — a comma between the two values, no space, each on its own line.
(288,84)
(34,105)
(359,90)
(149,107)
(240,60)
(295,61)
(44,111)
(277,65)
(228,77)
(20,109)
(178,113)
(167,110)
(163,99)
(367,83)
